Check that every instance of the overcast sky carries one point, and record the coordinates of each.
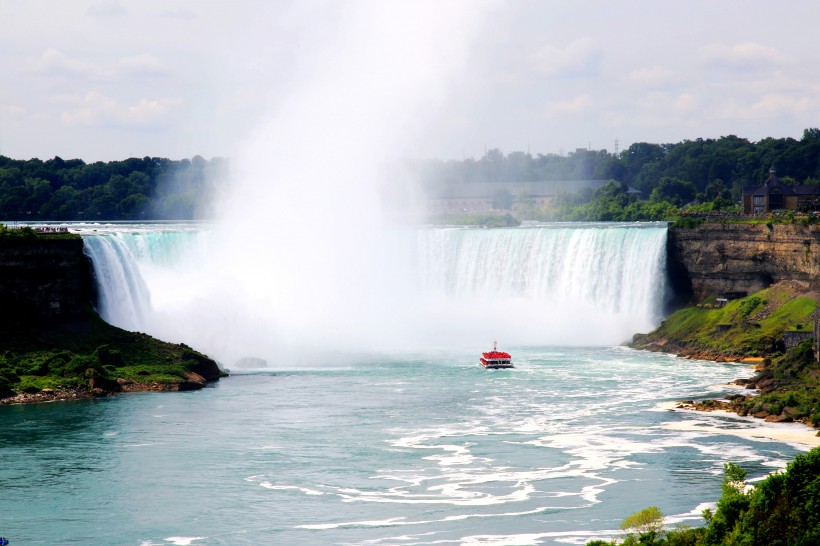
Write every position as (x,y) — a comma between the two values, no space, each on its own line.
(109,79)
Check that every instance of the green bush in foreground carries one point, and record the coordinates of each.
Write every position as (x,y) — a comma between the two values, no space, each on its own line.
(782,510)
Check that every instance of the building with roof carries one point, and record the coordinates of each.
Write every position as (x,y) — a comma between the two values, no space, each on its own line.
(774,195)
(472,197)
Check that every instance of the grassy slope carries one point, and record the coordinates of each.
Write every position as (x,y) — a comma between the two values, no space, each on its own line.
(788,382)
(61,357)
(752,326)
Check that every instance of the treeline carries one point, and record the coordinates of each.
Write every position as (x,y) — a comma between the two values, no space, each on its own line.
(649,181)
(151,188)
(736,162)
(652,181)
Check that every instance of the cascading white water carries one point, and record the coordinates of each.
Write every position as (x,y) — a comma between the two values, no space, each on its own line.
(299,262)
(561,284)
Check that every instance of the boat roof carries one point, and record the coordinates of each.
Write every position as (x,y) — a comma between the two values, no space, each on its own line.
(496,354)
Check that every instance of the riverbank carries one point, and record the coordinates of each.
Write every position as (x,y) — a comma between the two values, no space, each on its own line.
(91,358)
(193,382)
(771,330)
(796,434)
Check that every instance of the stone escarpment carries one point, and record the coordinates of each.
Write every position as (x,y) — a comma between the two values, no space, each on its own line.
(742,258)
(55,347)
(44,280)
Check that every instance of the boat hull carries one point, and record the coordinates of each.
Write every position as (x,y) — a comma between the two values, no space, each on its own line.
(496,365)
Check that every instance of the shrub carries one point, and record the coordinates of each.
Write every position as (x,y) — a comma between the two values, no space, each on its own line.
(108,357)
(647,521)
(749,305)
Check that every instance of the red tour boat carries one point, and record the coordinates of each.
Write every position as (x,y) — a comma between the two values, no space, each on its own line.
(496,359)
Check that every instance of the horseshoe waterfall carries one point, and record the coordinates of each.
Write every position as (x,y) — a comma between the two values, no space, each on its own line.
(591,284)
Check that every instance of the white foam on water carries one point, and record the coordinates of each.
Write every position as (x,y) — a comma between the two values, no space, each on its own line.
(406,539)
(392,522)
(454,495)
(530,539)
(389,522)
(183,541)
(796,435)
(696,514)
(305,490)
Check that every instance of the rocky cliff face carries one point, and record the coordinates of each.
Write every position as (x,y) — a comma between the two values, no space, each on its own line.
(43,280)
(727,258)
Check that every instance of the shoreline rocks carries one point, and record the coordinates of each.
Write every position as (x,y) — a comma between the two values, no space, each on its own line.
(737,403)
(194,382)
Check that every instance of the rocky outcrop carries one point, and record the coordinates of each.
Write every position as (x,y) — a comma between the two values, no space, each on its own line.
(53,338)
(742,258)
(44,280)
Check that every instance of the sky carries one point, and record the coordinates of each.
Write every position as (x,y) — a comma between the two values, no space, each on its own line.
(111,79)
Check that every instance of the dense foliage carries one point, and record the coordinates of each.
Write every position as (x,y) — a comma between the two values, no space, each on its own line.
(663,177)
(648,182)
(782,510)
(610,203)
(678,171)
(69,355)
(151,188)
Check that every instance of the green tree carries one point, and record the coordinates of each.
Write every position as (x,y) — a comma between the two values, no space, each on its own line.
(785,507)
(732,504)
(647,521)
(133,207)
(673,190)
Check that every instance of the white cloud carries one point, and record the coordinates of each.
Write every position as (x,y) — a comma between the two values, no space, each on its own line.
(151,112)
(742,56)
(659,109)
(777,106)
(96,109)
(8,111)
(580,57)
(178,13)
(143,66)
(53,62)
(685,102)
(106,8)
(654,76)
(577,104)
(542,74)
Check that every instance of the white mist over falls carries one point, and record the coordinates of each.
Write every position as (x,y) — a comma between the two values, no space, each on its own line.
(421,288)
(301,260)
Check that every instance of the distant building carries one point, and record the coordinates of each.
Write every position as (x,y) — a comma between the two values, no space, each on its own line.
(774,195)
(478,196)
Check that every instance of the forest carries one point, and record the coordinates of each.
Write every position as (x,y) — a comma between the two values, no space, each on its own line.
(151,188)
(707,173)
(702,175)
(737,162)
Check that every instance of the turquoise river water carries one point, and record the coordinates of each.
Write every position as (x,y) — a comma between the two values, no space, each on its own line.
(410,449)
(372,422)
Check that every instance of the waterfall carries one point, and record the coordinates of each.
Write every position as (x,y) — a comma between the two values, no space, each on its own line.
(619,270)
(554,284)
